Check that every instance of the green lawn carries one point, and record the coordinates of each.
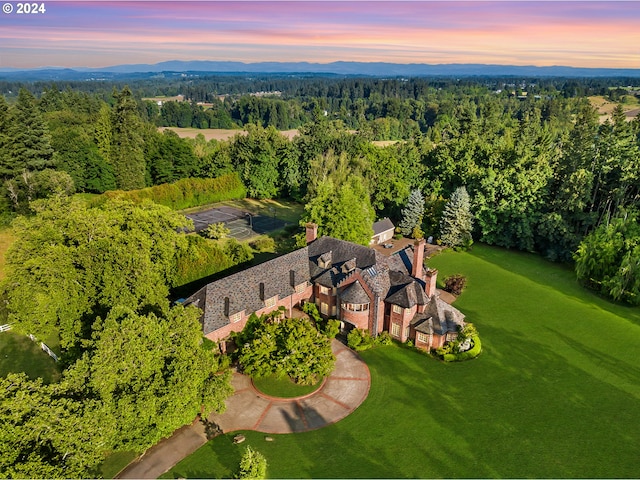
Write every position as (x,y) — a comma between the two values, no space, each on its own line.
(555,393)
(19,354)
(283,387)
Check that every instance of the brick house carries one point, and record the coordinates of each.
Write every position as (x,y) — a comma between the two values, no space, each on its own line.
(355,284)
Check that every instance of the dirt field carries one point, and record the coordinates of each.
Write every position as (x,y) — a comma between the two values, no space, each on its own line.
(605,107)
(217,133)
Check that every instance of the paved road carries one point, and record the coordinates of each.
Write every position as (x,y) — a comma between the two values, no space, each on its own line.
(247,409)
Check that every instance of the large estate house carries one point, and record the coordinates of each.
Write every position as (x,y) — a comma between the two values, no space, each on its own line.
(355,284)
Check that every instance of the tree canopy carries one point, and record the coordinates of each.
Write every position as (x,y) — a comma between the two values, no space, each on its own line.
(72,263)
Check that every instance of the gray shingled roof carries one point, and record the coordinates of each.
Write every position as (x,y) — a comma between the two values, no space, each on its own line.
(341,252)
(382,226)
(408,295)
(354,293)
(439,317)
(383,275)
(243,288)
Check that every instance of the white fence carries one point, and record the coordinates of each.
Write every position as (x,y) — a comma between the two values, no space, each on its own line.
(48,350)
(44,347)
(5,328)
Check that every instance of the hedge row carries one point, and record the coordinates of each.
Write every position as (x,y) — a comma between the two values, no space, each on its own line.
(473,352)
(185,193)
(204,258)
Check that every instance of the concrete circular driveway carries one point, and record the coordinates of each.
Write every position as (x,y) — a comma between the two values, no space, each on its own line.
(343,391)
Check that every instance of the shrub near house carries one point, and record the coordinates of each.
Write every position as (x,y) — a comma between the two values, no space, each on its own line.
(274,345)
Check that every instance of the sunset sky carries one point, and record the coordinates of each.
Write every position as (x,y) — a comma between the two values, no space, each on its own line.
(100,33)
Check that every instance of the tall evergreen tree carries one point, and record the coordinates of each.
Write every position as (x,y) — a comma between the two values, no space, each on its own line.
(5,158)
(30,142)
(412,214)
(127,153)
(457,221)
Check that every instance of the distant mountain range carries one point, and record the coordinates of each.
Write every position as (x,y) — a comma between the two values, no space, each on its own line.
(374,69)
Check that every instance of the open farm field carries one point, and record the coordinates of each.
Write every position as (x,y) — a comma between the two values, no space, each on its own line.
(554,394)
(605,107)
(218,133)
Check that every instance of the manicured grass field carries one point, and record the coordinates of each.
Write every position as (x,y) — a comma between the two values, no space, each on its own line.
(19,354)
(555,393)
(283,387)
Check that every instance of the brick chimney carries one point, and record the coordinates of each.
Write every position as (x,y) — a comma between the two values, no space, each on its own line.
(311,230)
(430,282)
(418,258)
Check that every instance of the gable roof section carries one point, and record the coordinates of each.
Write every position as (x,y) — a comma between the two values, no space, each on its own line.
(243,288)
(382,226)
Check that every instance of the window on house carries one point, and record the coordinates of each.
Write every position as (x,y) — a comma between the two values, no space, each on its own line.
(356,307)
(235,317)
(300,288)
(421,337)
(333,310)
(406,332)
(395,329)
(270,302)
(324,308)
(397,309)
(324,290)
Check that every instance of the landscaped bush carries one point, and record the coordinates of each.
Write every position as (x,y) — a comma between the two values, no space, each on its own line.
(359,339)
(384,338)
(330,327)
(285,346)
(263,244)
(216,231)
(237,252)
(455,284)
(185,193)
(473,352)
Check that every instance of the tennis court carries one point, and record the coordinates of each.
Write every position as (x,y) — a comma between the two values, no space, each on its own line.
(202,220)
(242,224)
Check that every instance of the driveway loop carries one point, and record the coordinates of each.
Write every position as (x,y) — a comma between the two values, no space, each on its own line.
(342,392)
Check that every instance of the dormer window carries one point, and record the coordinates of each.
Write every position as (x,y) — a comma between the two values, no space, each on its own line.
(236,317)
(301,287)
(270,302)
(349,266)
(324,261)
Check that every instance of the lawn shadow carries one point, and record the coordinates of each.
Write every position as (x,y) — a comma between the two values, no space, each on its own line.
(562,278)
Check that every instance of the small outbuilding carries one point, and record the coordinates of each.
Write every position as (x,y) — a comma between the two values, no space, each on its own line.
(382,231)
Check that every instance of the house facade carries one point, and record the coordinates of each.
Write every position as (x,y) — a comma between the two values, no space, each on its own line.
(355,284)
